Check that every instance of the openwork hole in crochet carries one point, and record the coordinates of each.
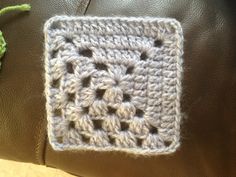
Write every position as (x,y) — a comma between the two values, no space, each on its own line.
(113,84)
(71,125)
(56,83)
(167,143)
(111,110)
(130,70)
(124,126)
(139,113)
(57,113)
(153,130)
(55,26)
(100,66)
(143,56)
(97,123)
(68,40)
(85,139)
(158,43)
(111,140)
(126,97)
(85,110)
(70,68)
(86,81)
(139,142)
(86,53)
(100,93)
(54,53)
(71,97)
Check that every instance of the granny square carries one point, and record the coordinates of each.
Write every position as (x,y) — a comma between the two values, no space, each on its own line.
(113,83)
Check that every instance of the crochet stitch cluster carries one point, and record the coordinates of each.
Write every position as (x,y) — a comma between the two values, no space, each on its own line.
(113,83)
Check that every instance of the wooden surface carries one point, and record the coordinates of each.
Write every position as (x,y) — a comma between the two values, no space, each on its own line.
(13,169)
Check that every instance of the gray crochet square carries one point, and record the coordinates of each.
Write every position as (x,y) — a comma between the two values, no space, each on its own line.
(113,84)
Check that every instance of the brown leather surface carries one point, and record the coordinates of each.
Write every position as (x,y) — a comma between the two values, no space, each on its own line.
(22,103)
(209,91)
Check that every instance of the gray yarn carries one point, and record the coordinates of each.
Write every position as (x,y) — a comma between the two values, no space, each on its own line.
(113,83)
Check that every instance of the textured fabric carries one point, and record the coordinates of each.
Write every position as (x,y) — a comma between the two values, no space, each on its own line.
(113,83)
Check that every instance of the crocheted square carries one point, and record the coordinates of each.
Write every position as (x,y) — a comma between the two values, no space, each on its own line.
(113,84)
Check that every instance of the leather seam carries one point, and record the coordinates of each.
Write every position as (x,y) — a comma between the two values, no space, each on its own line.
(88,3)
(82,7)
(41,130)
(41,156)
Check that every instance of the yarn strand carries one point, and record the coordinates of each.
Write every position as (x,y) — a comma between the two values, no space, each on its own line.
(3,44)
(23,7)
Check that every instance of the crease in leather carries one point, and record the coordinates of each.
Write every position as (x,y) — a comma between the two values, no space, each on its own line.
(41,144)
(82,7)
(40,150)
